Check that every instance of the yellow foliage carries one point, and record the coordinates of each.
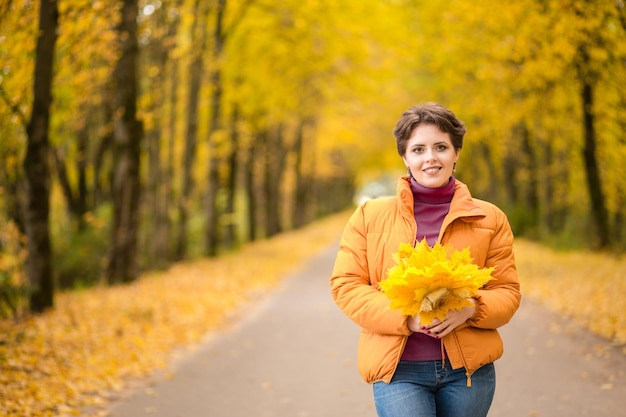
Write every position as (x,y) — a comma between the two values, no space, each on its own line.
(82,351)
(429,282)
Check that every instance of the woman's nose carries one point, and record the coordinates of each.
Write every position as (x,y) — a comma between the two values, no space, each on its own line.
(429,154)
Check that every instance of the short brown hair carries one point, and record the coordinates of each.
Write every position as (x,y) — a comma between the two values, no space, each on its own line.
(428,114)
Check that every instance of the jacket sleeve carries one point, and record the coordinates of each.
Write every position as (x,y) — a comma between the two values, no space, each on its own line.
(500,298)
(351,284)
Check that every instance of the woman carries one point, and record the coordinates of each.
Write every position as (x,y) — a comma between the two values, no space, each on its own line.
(443,369)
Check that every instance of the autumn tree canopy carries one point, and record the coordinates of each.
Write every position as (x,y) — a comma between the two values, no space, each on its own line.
(258,116)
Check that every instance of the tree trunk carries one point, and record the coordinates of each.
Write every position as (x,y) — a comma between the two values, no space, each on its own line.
(231,184)
(102,173)
(594,183)
(168,191)
(618,221)
(212,210)
(123,263)
(39,269)
(302,191)
(510,169)
(554,197)
(548,203)
(195,71)
(76,199)
(158,54)
(251,188)
(82,204)
(532,190)
(275,158)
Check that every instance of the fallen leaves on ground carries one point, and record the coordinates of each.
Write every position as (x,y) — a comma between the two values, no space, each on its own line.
(588,287)
(82,351)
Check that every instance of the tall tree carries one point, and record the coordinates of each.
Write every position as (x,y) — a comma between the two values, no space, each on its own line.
(230,229)
(592,169)
(251,184)
(302,192)
(212,210)
(160,28)
(274,161)
(223,156)
(37,164)
(588,74)
(123,264)
(196,70)
(168,187)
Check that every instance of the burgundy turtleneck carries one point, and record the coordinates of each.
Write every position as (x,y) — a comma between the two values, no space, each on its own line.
(430,207)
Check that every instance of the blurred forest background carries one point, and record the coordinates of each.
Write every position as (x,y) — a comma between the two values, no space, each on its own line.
(138,133)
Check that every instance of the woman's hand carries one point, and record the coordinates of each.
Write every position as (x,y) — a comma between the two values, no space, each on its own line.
(438,328)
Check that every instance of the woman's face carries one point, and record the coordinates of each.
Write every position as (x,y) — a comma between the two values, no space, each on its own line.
(430,156)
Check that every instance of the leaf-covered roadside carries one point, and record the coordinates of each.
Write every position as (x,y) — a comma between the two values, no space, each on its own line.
(587,287)
(81,352)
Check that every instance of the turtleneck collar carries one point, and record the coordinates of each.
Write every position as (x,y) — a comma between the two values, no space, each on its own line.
(427,195)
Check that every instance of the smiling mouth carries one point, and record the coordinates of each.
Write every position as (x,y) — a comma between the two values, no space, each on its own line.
(432,170)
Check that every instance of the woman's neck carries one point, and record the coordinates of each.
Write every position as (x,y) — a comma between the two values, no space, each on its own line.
(428,195)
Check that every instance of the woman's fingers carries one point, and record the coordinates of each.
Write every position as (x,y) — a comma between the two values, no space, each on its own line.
(455,318)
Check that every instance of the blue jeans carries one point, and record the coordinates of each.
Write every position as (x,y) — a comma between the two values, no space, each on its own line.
(425,389)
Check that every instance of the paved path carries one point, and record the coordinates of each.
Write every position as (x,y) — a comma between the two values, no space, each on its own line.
(293,354)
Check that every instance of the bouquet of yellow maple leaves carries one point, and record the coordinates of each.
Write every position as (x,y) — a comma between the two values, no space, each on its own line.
(429,282)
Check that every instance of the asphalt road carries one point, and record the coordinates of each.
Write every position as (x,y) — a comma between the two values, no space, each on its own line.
(293,354)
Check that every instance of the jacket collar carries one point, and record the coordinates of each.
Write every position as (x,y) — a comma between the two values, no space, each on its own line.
(462,205)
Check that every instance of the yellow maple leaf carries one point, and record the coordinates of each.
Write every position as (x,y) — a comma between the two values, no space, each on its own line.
(429,282)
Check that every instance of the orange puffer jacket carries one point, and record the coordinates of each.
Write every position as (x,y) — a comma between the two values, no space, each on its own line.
(375,231)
